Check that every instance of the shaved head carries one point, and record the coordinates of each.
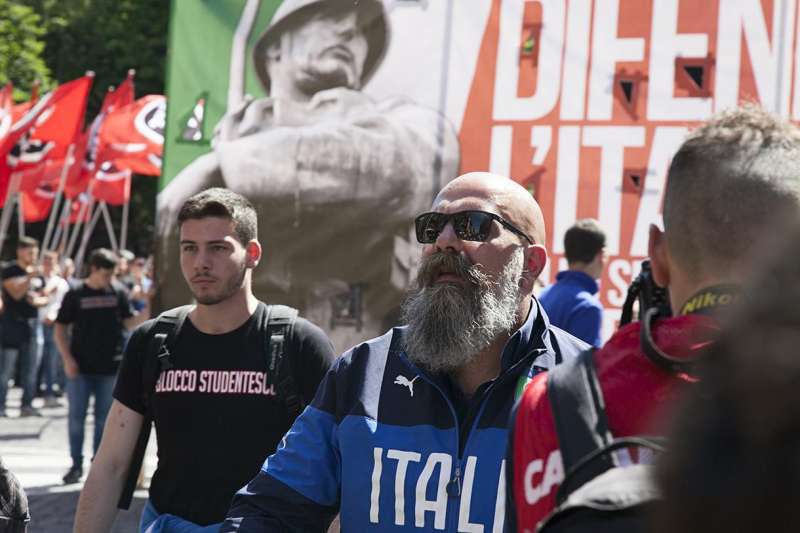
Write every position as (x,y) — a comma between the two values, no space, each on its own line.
(727,184)
(514,203)
(470,293)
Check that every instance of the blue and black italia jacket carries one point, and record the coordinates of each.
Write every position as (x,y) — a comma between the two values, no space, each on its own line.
(382,444)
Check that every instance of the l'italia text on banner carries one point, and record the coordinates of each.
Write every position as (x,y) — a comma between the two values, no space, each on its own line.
(583,102)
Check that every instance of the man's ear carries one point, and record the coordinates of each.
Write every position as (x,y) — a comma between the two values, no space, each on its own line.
(252,253)
(535,261)
(659,256)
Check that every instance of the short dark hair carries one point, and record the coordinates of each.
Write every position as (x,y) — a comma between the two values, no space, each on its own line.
(27,242)
(728,183)
(583,241)
(735,439)
(102,258)
(222,203)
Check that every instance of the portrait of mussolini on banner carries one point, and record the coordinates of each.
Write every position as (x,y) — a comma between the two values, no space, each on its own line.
(336,173)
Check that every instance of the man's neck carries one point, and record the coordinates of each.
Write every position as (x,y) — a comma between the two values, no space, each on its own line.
(585,268)
(226,315)
(94,284)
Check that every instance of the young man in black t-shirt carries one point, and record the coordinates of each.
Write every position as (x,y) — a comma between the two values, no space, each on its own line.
(218,412)
(100,313)
(22,283)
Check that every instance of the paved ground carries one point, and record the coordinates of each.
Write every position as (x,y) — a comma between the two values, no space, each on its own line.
(36,450)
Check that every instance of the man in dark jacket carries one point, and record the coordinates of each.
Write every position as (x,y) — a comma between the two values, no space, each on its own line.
(410,428)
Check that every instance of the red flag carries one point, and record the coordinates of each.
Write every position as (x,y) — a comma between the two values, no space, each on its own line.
(48,129)
(78,178)
(44,132)
(6,110)
(114,99)
(18,111)
(36,204)
(111,184)
(133,136)
(124,94)
(47,172)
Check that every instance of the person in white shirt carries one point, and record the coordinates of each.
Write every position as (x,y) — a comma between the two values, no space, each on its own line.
(55,287)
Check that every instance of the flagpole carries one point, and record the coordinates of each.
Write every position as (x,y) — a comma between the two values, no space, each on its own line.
(8,208)
(62,181)
(61,225)
(88,205)
(86,235)
(109,226)
(123,234)
(126,206)
(20,217)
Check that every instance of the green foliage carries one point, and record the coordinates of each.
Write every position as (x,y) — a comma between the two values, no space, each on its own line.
(108,37)
(68,37)
(21,47)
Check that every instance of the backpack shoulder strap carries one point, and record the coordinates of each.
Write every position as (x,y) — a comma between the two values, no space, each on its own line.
(157,355)
(579,414)
(279,327)
(156,359)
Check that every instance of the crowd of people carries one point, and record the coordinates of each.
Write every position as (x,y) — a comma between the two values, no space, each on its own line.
(478,413)
(59,342)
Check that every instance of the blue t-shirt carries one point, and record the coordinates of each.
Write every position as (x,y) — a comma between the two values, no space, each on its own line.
(571,304)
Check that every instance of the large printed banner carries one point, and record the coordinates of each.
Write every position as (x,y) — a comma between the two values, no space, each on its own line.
(340,120)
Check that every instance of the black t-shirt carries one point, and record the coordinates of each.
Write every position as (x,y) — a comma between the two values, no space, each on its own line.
(217,412)
(98,331)
(17,309)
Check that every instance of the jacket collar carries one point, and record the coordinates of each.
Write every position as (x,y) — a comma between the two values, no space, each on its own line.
(581,279)
(532,337)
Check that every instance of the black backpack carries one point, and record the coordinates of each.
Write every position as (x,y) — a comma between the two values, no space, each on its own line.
(278,328)
(597,494)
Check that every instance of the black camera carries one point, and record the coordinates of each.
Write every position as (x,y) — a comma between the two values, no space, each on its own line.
(653,303)
(649,295)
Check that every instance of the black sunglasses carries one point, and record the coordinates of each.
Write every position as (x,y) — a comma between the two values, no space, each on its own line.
(468,225)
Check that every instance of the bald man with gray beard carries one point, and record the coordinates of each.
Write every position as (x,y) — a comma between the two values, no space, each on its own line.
(409,429)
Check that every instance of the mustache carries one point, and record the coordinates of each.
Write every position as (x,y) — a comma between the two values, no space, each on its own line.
(341,49)
(446,262)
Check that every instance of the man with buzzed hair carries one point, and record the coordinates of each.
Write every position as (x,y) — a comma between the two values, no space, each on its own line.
(728,186)
(409,429)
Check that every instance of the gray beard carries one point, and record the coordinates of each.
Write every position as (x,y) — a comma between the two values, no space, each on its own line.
(448,325)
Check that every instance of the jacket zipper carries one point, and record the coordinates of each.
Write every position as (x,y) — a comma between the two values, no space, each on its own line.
(473,414)
(454,486)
